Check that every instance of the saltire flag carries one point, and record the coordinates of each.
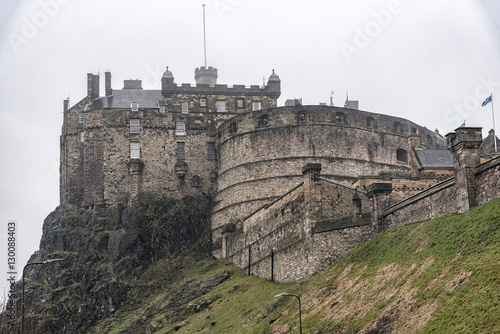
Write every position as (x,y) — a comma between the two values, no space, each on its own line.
(488,100)
(346,103)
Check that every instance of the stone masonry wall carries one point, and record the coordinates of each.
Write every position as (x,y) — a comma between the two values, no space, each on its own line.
(488,181)
(262,151)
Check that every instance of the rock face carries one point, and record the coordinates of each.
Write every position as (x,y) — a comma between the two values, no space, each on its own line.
(104,252)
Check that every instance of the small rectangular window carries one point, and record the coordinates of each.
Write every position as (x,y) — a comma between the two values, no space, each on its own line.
(91,153)
(134,106)
(76,154)
(82,136)
(135,150)
(162,109)
(180,129)
(80,117)
(212,153)
(181,153)
(240,103)
(91,134)
(185,108)
(256,105)
(203,102)
(221,106)
(135,125)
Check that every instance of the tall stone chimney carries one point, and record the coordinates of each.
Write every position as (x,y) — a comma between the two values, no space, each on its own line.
(92,86)
(107,83)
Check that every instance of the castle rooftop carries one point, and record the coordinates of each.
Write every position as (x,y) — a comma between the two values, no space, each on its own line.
(434,158)
(123,98)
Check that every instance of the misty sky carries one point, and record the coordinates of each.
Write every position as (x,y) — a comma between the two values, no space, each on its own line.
(432,62)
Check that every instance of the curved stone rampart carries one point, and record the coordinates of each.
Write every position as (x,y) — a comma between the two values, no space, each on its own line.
(262,152)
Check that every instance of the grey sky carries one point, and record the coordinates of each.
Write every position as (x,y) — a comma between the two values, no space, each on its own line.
(429,61)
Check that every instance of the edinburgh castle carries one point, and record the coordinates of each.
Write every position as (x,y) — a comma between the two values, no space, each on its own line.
(292,188)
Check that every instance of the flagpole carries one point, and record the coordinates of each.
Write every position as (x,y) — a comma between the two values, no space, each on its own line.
(494,130)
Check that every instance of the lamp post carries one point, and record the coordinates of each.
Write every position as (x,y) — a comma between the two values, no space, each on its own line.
(300,315)
(24,269)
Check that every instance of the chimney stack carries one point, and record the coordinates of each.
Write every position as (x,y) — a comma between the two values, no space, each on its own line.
(92,86)
(107,83)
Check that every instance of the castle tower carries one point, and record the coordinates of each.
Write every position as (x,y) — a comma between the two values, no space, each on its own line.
(206,76)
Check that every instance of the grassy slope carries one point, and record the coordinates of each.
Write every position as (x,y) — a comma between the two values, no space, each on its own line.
(440,276)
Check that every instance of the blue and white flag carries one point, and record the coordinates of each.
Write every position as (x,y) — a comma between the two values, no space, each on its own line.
(488,100)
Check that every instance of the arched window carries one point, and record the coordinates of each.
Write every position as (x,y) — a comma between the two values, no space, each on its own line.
(196,181)
(401,155)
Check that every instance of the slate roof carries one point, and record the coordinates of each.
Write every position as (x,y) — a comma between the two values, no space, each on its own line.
(121,99)
(434,158)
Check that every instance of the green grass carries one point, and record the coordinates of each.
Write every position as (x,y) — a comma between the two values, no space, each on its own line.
(439,276)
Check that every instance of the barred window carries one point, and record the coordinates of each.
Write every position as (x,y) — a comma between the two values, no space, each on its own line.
(181,153)
(80,117)
(82,137)
(212,153)
(135,150)
(185,108)
(135,125)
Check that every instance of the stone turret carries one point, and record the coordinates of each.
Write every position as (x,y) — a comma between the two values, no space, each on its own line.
(274,85)
(167,83)
(206,76)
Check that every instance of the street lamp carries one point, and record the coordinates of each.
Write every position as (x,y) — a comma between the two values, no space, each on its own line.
(300,315)
(24,269)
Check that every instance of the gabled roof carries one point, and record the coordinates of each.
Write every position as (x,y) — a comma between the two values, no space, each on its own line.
(122,99)
(434,158)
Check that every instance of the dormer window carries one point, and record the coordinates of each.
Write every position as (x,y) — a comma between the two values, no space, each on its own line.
(134,106)
(185,108)
(162,109)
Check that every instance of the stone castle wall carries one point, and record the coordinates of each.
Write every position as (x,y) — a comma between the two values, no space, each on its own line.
(320,220)
(261,153)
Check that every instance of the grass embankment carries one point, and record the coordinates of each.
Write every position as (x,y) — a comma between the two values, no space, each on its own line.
(439,276)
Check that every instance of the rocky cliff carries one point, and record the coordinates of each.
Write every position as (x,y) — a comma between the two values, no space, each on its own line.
(105,251)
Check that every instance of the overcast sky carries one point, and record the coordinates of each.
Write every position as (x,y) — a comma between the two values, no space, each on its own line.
(432,62)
